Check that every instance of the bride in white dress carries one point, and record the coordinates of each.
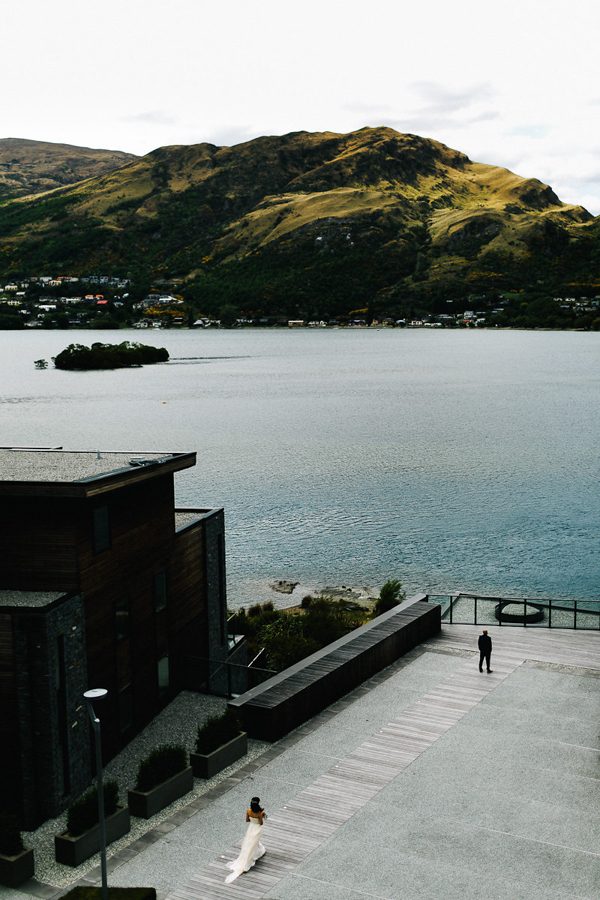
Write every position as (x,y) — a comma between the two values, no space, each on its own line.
(252,849)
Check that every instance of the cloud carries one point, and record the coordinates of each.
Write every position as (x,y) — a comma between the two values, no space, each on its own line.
(439,99)
(530,131)
(370,111)
(151,117)
(428,124)
(437,108)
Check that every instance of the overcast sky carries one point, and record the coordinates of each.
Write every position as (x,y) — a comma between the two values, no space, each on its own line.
(514,84)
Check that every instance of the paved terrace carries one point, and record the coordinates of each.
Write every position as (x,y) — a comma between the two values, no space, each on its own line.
(429,781)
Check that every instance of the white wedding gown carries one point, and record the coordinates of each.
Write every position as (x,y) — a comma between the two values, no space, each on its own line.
(251,850)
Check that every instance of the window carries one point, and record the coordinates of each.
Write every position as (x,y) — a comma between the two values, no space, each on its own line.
(61,704)
(163,675)
(160,590)
(125,708)
(221,577)
(101,529)
(122,619)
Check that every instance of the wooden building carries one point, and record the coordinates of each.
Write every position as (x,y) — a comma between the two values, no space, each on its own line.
(103,583)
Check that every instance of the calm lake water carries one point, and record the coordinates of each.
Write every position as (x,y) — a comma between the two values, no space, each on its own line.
(452,460)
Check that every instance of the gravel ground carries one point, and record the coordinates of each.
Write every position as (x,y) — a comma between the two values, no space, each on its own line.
(177,723)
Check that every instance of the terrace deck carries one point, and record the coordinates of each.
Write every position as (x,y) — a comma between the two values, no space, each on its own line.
(322,812)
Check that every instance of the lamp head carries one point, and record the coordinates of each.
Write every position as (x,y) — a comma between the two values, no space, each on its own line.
(95,693)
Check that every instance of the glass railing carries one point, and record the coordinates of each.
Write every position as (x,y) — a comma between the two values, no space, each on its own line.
(476,609)
(221,677)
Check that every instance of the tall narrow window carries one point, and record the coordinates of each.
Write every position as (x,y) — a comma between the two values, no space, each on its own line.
(125,708)
(221,583)
(61,704)
(160,590)
(122,623)
(163,675)
(101,529)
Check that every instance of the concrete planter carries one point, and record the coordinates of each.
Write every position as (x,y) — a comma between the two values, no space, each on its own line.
(205,765)
(14,870)
(72,851)
(147,803)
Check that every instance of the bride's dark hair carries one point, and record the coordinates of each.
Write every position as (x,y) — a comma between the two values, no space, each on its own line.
(255,805)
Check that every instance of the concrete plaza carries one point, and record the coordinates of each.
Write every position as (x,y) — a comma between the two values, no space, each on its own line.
(429,781)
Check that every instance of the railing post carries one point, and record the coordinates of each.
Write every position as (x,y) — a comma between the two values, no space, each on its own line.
(550,613)
(575,614)
(475,609)
(524,613)
(451,607)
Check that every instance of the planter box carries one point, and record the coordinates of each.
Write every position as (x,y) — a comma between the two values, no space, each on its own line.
(147,803)
(72,851)
(205,765)
(14,870)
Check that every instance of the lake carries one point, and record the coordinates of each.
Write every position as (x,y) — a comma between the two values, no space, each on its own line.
(452,460)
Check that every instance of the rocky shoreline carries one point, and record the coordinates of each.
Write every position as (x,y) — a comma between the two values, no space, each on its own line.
(296,590)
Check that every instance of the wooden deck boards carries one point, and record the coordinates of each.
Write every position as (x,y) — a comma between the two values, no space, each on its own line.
(342,791)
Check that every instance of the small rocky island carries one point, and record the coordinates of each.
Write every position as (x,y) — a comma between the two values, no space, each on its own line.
(109,356)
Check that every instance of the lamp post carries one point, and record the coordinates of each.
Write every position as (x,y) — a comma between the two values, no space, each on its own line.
(89,696)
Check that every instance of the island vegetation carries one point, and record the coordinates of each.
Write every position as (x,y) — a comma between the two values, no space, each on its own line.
(109,356)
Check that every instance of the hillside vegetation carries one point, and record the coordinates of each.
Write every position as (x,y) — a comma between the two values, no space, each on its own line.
(30,167)
(311,225)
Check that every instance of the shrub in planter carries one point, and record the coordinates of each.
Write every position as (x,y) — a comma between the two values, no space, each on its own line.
(216,731)
(219,743)
(164,762)
(83,813)
(82,838)
(163,777)
(10,835)
(16,863)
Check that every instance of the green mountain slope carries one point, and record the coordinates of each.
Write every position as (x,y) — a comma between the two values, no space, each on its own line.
(30,167)
(311,222)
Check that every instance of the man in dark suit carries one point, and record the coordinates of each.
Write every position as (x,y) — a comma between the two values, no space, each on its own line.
(485,650)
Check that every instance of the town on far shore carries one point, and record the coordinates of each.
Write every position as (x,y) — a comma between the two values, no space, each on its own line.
(109,301)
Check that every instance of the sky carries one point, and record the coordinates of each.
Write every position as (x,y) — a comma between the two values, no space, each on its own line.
(514,84)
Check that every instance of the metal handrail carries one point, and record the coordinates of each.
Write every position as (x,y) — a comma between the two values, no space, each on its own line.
(222,677)
(534,610)
(258,655)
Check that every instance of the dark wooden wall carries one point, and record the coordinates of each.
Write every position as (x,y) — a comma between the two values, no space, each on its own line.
(38,543)
(295,695)
(143,544)
(9,730)
(47,544)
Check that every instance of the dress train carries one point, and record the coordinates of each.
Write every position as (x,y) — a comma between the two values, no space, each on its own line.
(251,850)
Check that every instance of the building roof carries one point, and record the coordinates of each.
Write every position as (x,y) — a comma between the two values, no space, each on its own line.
(30,471)
(29,599)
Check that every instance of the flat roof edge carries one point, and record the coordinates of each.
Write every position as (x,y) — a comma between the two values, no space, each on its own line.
(139,468)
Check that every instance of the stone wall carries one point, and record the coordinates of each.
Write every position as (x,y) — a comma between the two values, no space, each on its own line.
(54,734)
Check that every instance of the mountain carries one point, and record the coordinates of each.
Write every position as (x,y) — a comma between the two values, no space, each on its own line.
(310,223)
(30,167)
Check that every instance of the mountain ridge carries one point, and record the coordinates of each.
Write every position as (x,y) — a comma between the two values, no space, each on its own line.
(373,215)
(30,166)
